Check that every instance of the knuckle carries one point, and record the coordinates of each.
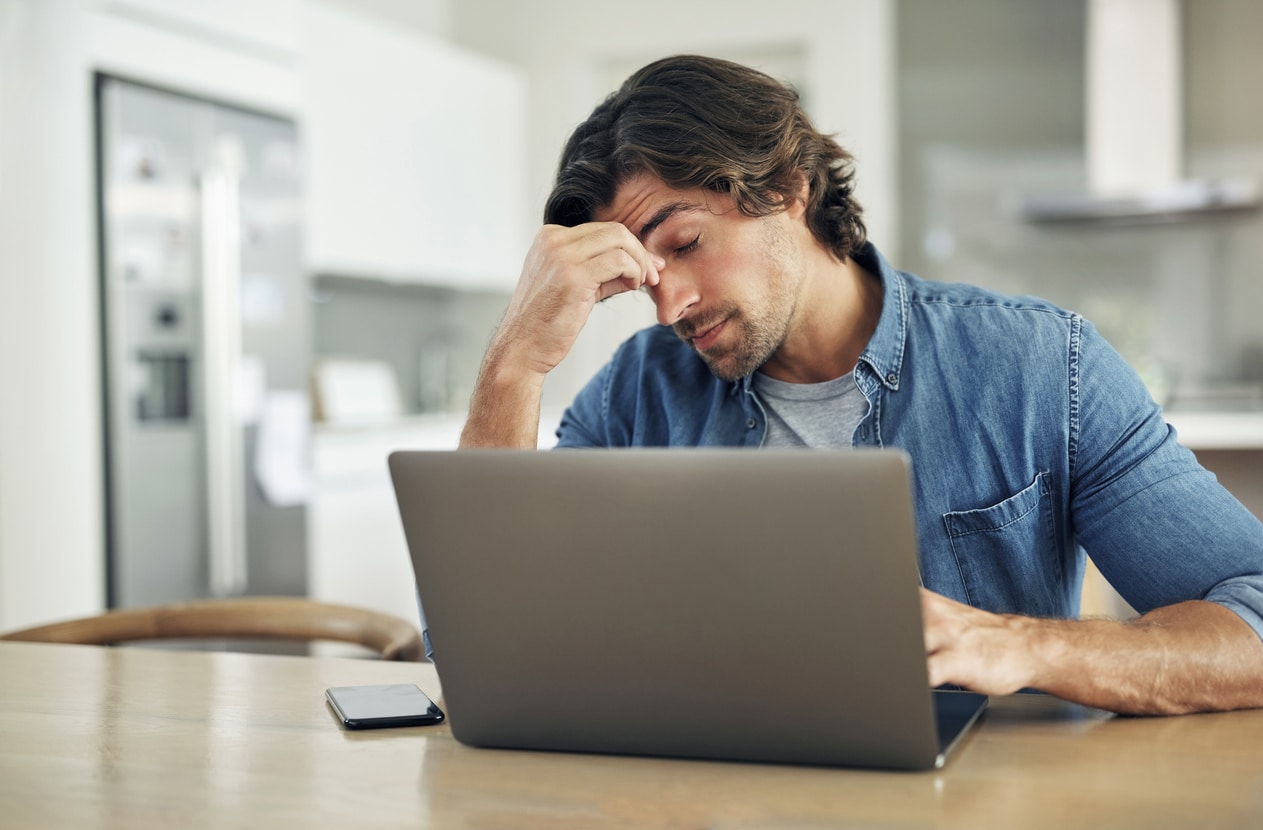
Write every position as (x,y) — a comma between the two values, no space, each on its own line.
(551,234)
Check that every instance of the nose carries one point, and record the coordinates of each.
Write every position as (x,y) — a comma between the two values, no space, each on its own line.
(674,295)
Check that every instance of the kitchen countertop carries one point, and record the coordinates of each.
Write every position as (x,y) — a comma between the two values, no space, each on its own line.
(1218,430)
(1198,429)
(352,449)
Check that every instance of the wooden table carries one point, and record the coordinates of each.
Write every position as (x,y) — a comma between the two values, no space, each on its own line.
(136,738)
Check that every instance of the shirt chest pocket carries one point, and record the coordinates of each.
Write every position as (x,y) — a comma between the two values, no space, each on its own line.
(1007,553)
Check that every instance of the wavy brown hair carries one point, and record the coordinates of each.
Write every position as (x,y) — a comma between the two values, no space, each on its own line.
(699,122)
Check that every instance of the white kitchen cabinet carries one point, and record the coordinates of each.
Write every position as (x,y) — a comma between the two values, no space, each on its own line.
(416,153)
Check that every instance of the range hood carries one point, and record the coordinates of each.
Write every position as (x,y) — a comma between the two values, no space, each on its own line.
(1135,126)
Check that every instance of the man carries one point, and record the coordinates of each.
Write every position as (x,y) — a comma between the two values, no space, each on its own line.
(703,183)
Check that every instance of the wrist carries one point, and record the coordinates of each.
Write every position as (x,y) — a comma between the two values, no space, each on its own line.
(1042,643)
(507,367)
(514,356)
(504,409)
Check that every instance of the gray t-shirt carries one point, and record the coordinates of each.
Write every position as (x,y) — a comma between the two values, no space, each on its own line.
(817,415)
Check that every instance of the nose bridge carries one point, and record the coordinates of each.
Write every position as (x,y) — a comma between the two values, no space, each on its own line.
(674,294)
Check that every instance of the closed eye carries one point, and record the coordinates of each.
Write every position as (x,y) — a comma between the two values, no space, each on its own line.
(690,247)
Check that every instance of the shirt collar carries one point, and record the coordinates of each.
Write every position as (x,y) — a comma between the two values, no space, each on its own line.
(884,353)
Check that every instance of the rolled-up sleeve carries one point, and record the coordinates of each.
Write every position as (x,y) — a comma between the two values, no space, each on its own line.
(1159,526)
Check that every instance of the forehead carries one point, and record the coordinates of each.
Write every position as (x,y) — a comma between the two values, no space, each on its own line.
(644,201)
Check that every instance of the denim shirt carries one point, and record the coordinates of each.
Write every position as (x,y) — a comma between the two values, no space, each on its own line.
(1032,441)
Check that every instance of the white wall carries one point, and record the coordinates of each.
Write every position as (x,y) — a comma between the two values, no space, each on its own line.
(569,47)
(51,550)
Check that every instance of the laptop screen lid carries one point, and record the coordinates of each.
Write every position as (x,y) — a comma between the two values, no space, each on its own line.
(705,603)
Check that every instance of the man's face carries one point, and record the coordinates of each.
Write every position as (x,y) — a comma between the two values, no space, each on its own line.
(731,285)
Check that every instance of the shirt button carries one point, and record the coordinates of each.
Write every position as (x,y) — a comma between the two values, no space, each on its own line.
(892,378)
(751,424)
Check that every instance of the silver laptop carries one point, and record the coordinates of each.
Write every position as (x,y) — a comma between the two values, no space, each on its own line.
(705,603)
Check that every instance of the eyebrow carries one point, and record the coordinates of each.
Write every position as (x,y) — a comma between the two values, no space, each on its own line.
(664,213)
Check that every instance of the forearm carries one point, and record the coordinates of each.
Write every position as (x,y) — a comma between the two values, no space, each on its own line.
(504,409)
(566,273)
(1189,657)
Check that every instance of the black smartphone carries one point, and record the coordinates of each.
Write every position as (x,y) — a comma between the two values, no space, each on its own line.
(375,707)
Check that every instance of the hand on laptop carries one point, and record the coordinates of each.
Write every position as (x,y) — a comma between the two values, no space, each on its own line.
(976,649)
(1189,657)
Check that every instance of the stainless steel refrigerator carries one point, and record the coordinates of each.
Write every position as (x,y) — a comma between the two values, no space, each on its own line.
(205,333)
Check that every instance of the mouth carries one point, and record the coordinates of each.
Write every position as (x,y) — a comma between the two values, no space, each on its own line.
(707,338)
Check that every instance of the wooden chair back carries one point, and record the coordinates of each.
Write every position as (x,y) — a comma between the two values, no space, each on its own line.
(281,618)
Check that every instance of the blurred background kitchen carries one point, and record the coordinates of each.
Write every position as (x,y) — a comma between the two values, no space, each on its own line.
(248,247)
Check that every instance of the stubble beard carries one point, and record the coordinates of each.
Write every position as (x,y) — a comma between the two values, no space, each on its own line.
(760,337)
(756,342)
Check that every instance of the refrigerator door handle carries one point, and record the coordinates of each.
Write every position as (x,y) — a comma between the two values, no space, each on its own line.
(221,334)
